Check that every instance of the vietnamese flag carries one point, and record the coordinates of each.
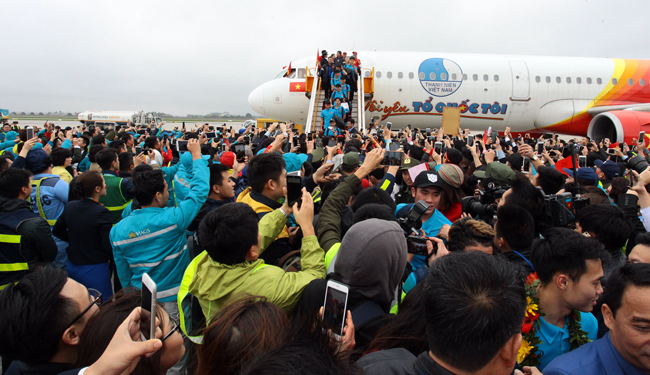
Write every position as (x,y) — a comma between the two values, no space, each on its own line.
(297,87)
(565,163)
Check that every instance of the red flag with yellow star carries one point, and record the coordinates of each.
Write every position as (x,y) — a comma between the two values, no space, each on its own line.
(297,87)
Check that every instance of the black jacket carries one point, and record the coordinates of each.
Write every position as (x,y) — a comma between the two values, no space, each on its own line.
(209,206)
(22,368)
(519,261)
(85,225)
(36,242)
(400,361)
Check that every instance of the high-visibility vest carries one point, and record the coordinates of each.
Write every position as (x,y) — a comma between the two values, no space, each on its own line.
(114,199)
(184,299)
(13,264)
(39,203)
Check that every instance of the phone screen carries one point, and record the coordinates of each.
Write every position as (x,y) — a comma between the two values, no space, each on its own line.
(494,136)
(389,125)
(30,132)
(582,161)
(247,140)
(540,148)
(641,137)
(331,143)
(294,189)
(240,151)
(470,140)
(526,166)
(210,135)
(334,310)
(147,318)
(438,147)
(181,146)
(393,158)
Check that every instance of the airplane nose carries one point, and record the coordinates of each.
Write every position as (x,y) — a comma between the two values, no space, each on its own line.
(256,100)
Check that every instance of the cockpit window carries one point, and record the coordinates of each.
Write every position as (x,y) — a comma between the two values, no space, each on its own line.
(301,73)
(281,74)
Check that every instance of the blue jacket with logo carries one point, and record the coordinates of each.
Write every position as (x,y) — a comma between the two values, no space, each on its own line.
(153,240)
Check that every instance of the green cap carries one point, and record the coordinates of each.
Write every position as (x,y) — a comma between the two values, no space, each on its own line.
(351,160)
(408,163)
(499,171)
(317,155)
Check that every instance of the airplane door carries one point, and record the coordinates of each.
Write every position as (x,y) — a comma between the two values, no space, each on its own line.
(520,81)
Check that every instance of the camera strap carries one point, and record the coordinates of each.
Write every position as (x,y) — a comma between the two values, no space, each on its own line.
(524,258)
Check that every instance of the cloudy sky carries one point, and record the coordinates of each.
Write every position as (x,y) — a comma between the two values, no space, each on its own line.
(199,57)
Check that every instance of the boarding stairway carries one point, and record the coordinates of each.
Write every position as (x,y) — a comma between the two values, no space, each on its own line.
(316,95)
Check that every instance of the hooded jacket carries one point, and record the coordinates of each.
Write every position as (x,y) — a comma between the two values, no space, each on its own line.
(36,242)
(215,283)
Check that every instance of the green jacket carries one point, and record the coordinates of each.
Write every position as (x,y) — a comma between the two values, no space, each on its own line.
(214,283)
(329,219)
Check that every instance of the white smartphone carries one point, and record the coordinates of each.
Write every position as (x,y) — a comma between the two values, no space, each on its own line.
(437,147)
(29,132)
(540,147)
(149,301)
(335,307)
(582,161)
(525,168)
(181,146)
(470,140)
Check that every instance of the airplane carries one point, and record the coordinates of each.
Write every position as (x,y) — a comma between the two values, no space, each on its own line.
(598,97)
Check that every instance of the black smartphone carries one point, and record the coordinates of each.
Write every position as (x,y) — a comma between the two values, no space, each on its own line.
(138,150)
(29,132)
(310,137)
(611,151)
(494,136)
(416,245)
(582,161)
(210,135)
(470,140)
(393,158)
(409,126)
(294,190)
(331,143)
(526,165)
(181,146)
(240,151)
(389,125)
(296,140)
(438,147)
(540,147)
(247,140)
(641,137)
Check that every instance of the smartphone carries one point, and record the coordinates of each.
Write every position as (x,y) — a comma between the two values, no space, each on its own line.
(240,151)
(428,131)
(30,132)
(247,140)
(210,135)
(149,302)
(409,126)
(641,137)
(393,158)
(388,125)
(181,146)
(437,147)
(138,150)
(494,136)
(470,140)
(431,139)
(295,141)
(331,143)
(582,161)
(310,137)
(526,166)
(611,151)
(540,147)
(294,189)
(335,307)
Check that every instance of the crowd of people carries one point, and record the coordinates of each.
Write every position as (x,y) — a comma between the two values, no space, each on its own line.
(461,253)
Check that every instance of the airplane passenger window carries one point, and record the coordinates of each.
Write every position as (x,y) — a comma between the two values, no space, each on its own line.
(589,80)
(599,81)
(443,76)
(578,80)
(614,81)
(464,77)
(421,75)
(568,79)
(453,76)
(642,82)
(400,75)
(496,78)
(548,79)
(630,82)
(411,75)
(485,77)
(475,77)
(389,75)
(432,76)
(537,79)
(558,79)
(378,74)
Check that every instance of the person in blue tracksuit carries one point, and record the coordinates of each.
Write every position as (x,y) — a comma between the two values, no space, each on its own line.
(152,239)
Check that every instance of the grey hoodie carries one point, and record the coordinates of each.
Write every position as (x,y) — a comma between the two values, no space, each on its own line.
(372,258)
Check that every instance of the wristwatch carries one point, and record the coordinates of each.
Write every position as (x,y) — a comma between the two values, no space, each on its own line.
(534,158)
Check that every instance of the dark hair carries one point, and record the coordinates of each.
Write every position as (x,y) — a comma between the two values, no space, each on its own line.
(117,144)
(59,155)
(106,157)
(516,162)
(140,169)
(35,316)
(643,239)
(352,143)
(241,331)
(374,211)
(516,226)
(470,232)
(94,149)
(228,233)
(216,174)
(608,223)
(407,330)
(619,186)
(377,173)
(549,179)
(415,152)
(126,137)
(83,186)
(147,184)
(151,141)
(98,140)
(631,274)
(373,195)
(474,304)
(563,250)
(524,194)
(101,328)
(449,196)
(4,162)
(262,168)
(454,156)
(12,180)
(126,160)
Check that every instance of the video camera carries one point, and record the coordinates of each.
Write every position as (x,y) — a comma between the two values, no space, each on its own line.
(559,210)
(485,206)
(411,224)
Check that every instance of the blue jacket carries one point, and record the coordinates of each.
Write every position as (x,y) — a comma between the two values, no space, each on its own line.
(54,195)
(153,240)
(183,178)
(596,358)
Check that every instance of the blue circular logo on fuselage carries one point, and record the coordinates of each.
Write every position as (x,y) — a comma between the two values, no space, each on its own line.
(440,77)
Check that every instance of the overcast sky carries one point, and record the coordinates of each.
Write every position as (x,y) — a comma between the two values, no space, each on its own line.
(199,57)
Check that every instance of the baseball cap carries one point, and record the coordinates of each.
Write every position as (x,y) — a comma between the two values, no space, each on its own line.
(294,161)
(609,168)
(227,159)
(428,178)
(409,163)
(499,171)
(585,173)
(37,160)
(351,160)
